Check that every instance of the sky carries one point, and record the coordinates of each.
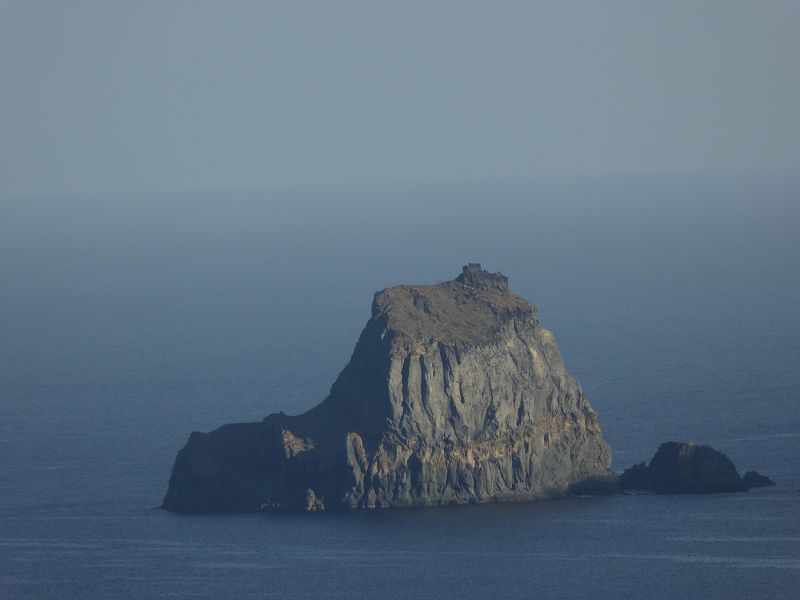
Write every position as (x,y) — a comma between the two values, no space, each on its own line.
(110,96)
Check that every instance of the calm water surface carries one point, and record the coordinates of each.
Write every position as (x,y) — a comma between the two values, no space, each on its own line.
(128,322)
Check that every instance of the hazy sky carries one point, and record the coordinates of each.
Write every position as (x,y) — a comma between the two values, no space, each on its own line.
(120,96)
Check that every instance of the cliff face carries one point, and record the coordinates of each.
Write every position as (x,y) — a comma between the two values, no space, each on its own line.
(454,394)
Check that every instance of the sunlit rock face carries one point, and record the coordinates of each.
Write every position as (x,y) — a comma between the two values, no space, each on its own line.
(454,394)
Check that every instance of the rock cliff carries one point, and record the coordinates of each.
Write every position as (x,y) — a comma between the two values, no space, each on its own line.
(454,394)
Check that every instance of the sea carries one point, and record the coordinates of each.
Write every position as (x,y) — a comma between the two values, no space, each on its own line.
(128,321)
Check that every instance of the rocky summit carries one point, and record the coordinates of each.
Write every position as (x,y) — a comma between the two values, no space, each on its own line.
(454,394)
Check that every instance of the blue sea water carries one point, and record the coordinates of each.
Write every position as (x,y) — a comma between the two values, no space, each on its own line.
(126,322)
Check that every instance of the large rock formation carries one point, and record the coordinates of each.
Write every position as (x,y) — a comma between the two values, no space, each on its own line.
(684,468)
(454,394)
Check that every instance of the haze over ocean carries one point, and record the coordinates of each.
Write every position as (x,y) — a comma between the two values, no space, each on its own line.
(126,325)
(198,200)
(193,95)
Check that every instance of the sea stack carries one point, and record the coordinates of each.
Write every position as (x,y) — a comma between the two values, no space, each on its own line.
(454,394)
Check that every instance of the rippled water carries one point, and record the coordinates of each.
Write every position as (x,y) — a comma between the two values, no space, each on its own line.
(126,323)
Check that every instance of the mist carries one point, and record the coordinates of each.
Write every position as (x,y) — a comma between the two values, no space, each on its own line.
(199,200)
(115,97)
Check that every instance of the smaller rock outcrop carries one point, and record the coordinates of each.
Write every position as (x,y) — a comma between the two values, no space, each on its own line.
(475,276)
(684,468)
(754,479)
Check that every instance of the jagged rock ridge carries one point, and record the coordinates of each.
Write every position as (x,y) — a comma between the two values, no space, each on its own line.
(454,394)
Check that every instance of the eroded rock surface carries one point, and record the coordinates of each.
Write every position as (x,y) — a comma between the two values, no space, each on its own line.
(454,394)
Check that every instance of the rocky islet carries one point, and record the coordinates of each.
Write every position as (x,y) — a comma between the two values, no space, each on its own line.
(689,468)
(455,394)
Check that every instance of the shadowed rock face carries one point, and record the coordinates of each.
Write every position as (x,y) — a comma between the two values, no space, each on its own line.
(754,479)
(684,468)
(454,394)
